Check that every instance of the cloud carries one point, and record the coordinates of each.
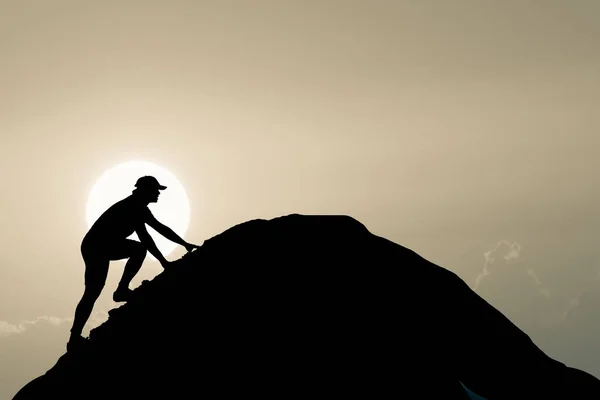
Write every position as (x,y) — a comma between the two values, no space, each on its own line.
(7,328)
(511,254)
(575,301)
(541,287)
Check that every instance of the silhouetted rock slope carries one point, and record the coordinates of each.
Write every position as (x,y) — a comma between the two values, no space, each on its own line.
(307,305)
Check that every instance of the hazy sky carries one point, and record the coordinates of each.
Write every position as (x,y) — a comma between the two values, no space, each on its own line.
(465,130)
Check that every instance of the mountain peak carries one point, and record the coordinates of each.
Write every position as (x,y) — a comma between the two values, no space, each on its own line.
(307,305)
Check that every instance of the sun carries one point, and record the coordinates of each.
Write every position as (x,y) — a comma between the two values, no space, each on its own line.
(116,183)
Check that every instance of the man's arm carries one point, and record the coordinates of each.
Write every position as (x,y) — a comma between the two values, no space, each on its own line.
(165,231)
(147,240)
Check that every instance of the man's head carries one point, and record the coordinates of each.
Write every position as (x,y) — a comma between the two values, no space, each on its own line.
(149,188)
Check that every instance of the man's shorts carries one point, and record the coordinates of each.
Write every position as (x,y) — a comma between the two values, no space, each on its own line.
(97,257)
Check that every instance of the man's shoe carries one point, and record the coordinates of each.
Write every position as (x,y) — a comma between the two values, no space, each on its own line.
(76,343)
(122,295)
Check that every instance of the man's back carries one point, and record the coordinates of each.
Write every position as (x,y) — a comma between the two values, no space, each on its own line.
(119,221)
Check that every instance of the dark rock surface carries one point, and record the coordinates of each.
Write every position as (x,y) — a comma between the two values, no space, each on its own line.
(307,305)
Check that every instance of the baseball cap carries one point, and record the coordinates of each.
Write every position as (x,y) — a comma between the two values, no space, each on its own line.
(149,182)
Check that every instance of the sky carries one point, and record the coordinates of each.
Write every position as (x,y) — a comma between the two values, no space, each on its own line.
(464,130)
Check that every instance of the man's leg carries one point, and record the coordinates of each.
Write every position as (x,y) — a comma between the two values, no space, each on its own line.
(136,252)
(96,271)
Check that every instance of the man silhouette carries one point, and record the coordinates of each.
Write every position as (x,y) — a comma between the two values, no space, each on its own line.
(107,240)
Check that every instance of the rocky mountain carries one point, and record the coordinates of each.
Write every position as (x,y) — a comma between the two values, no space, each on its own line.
(307,305)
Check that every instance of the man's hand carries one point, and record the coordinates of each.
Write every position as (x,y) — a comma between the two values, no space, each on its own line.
(190,247)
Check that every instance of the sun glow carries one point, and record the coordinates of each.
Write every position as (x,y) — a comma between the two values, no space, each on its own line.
(172,208)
